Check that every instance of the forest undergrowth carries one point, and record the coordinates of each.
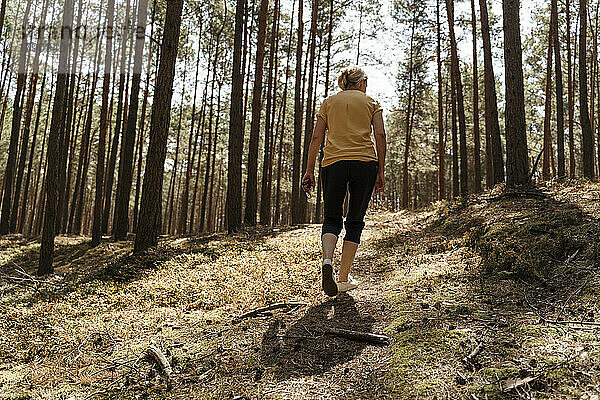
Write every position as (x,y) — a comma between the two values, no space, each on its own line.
(492,297)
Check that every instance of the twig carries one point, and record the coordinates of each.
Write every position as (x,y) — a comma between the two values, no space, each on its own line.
(358,336)
(270,307)
(586,323)
(158,356)
(470,359)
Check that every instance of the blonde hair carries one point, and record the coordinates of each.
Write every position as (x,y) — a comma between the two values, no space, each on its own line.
(350,77)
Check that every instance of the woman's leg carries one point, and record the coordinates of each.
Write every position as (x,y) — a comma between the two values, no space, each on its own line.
(361,184)
(334,178)
(348,253)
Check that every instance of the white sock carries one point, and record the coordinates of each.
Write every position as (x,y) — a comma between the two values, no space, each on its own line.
(327,261)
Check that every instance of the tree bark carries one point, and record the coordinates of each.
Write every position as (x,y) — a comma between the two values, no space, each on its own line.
(547,144)
(58,119)
(298,108)
(6,225)
(476,138)
(281,119)
(121,99)
(252,178)
(560,113)
(309,123)
(408,125)
(441,134)
(126,162)
(456,73)
(265,195)
(148,226)
(98,200)
(183,209)
(492,125)
(236,128)
(18,204)
(517,167)
(586,128)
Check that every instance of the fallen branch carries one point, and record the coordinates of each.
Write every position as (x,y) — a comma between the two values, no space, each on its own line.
(270,307)
(358,336)
(572,322)
(158,356)
(470,359)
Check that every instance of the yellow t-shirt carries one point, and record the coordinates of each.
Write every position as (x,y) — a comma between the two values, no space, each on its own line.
(348,115)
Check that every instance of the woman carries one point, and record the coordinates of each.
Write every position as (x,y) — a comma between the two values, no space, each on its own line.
(351,162)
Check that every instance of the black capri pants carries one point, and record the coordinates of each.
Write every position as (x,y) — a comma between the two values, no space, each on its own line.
(359,177)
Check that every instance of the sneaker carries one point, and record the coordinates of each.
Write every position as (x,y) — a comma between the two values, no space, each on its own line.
(329,286)
(346,286)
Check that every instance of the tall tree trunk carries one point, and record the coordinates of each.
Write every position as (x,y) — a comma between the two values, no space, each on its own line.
(58,119)
(309,123)
(570,93)
(209,217)
(236,128)
(586,128)
(517,159)
(282,119)
(409,101)
(455,173)
(265,195)
(492,126)
(456,73)
(295,200)
(126,162)
(108,187)
(35,133)
(9,173)
(252,178)
(547,144)
(476,138)
(148,225)
(2,14)
(98,200)
(143,123)
(441,134)
(208,166)
(174,176)
(274,127)
(183,210)
(66,131)
(560,113)
(453,99)
(318,206)
(85,149)
(201,127)
(18,204)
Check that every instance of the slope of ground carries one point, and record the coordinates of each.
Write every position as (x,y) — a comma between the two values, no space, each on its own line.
(495,297)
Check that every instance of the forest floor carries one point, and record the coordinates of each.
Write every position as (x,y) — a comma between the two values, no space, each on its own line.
(494,297)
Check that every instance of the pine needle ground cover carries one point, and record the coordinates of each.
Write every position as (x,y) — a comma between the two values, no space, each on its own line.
(495,297)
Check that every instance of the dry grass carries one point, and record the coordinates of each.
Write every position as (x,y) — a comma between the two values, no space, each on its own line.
(439,281)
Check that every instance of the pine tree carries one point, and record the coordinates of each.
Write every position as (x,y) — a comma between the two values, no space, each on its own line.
(149,218)
(517,167)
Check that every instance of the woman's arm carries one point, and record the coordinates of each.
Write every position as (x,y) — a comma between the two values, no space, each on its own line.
(313,151)
(379,129)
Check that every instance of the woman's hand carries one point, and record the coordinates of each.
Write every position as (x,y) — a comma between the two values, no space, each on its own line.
(379,183)
(308,181)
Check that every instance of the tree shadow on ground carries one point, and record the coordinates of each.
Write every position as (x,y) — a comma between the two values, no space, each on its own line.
(76,262)
(496,272)
(302,349)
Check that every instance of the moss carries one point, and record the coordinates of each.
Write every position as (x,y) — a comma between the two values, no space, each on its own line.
(499,372)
